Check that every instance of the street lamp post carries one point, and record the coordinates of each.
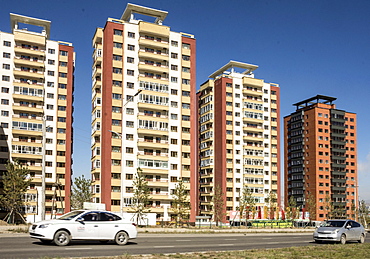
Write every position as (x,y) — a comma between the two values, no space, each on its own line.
(43,183)
(122,145)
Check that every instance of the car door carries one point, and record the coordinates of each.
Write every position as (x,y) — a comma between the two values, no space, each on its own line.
(108,225)
(87,227)
(357,231)
(350,231)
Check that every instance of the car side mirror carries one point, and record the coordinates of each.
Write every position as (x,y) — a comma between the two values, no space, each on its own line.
(348,226)
(81,220)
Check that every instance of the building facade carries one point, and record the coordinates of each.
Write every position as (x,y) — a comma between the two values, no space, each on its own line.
(320,158)
(238,138)
(143,110)
(37,112)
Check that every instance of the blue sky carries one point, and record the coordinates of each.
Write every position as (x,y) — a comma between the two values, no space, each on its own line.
(308,47)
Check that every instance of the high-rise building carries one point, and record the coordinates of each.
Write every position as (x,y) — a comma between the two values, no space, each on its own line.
(143,110)
(36,112)
(238,138)
(320,158)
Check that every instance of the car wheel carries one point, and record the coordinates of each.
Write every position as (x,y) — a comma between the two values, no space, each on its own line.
(343,239)
(362,239)
(44,241)
(62,238)
(121,238)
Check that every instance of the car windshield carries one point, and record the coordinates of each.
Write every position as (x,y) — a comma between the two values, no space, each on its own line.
(71,215)
(334,224)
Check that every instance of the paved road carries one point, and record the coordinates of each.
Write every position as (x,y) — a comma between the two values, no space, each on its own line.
(22,246)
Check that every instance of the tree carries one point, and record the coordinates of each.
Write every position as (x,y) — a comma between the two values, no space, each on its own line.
(291,210)
(81,192)
(272,204)
(310,206)
(180,204)
(328,206)
(247,202)
(218,205)
(364,212)
(15,183)
(141,196)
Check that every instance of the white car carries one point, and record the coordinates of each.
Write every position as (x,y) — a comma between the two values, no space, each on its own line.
(84,225)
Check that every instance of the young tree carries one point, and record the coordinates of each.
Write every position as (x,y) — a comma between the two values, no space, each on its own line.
(291,210)
(180,204)
(272,204)
(310,206)
(328,206)
(218,205)
(364,213)
(81,192)
(15,183)
(247,202)
(141,196)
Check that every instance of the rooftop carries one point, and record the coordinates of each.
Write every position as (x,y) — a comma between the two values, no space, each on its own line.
(249,68)
(15,19)
(132,8)
(316,99)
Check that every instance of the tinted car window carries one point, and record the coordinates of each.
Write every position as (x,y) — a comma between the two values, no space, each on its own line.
(71,215)
(332,223)
(93,216)
(355,225)
(108,217)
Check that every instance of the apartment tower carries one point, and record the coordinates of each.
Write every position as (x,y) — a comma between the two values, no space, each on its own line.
(320,158)
(143,110)
(36,112)
(239,138)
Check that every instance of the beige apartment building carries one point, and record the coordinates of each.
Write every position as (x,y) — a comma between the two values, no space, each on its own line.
(238,138)
(143,110)
(36,112)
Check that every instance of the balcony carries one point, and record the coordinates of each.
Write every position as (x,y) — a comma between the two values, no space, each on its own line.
(30,73)
(155,68)
(28,61)
(153,42)
(154,144)
(154,156)
(145,53)
(29,50)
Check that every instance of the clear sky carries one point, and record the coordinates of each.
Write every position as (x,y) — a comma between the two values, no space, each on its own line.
(308,47)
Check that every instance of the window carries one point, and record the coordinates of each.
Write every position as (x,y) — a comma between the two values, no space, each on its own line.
(186,69)
(63,64)
(6,55)
(174,104)
(61,131)
(62,108)
(129,124)
(173,141)
(185,46)
(51,61)
(4,125)
(174,43)
(64,75)
(117,70)
(174,55)
(6,78)
(62,119)
(117,57)
(173,91)
(63,53)
(117,45)
(50,107)
(173,79)
(62,97)
(130,60)
(117,32)
(116,109)
(131,34)
(5,90)
(130,85)
(6,66)
(129,163)
(116,96)
(129,137)
(130,72)
(50,73)
(185,58)
(185,118)
(186,81)
(50,96)
(5,113)
(186,105)
(51,51)
(62,86)
(174,67)
(130,47)
(7,43)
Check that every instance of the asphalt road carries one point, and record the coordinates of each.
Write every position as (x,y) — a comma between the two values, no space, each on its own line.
(22,246)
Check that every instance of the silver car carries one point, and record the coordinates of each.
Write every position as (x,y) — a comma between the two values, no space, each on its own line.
(339,230)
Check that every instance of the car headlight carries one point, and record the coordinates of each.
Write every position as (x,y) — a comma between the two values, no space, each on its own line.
(44,225)
(335,231)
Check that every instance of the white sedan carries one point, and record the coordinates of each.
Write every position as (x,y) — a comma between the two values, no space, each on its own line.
(84,225)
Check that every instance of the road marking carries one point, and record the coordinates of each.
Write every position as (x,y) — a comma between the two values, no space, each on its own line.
(225,244)
(231,239)
(162,246)
(183,240)
(79,248)
(266,238)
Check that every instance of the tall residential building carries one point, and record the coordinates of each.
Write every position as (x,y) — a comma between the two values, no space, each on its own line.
(143,110)
(239,137)
(36,112)
(320,158)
